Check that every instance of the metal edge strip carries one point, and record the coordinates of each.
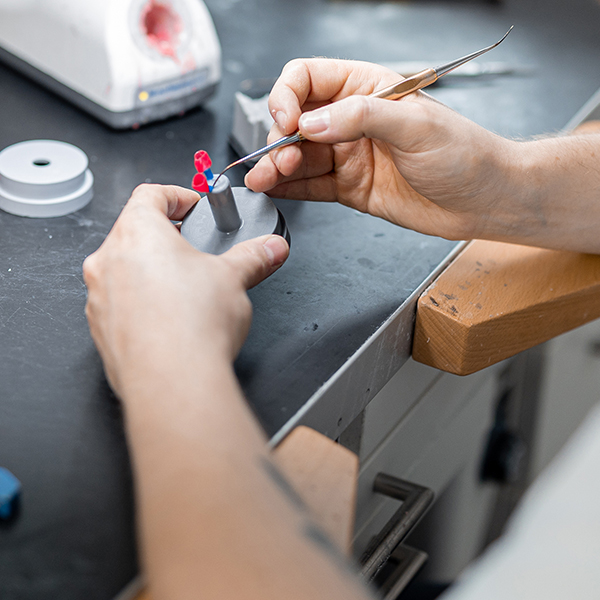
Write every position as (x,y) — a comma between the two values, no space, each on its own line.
(348,391)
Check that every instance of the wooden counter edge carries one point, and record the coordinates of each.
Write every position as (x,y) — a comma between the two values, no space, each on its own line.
(495,300)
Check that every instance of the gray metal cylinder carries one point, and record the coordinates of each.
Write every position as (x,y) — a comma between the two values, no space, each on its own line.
(223,207)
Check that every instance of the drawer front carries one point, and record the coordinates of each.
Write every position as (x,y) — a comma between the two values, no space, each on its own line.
(570,388)
(429,445)
(394,402)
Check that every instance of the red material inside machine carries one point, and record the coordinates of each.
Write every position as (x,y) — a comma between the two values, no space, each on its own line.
(162,26)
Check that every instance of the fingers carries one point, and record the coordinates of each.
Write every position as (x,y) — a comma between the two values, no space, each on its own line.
(316,189)
(286,159)
(290,164)
(270,169)
(171,200)
(144,220)
(263,176)
(321,80)
(254,260)
(301,185)
(149,212)
(400,123)
(306,85)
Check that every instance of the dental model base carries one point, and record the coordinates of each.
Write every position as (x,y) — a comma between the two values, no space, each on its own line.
(228,216)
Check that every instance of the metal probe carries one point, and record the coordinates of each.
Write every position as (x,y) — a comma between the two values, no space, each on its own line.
(392,92)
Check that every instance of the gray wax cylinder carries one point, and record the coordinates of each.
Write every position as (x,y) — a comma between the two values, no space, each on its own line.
(223,207)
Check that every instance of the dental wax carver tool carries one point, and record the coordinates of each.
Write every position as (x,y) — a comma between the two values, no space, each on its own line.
(393,92)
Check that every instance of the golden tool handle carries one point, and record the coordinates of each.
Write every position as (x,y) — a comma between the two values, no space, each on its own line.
(412,84)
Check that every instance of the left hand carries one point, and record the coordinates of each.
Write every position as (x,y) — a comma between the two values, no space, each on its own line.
(154,302)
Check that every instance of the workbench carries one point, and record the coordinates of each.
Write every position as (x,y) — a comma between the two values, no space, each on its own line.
(331,329)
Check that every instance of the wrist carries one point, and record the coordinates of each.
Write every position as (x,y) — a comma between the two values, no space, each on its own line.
(512,193)
(163,372)
(548,197)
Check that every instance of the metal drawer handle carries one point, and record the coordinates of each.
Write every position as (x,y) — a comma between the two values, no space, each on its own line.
(404,563)
(415,502)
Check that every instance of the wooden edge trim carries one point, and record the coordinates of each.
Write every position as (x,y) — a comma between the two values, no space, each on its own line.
(495,300)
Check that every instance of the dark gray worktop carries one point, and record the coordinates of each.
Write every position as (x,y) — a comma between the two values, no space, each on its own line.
(60,427)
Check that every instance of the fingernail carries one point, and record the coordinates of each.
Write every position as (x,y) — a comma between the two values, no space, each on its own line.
(281,120)
(277,250)
(316,121)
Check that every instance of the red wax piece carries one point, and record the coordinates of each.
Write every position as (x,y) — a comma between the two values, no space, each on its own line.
(202,161)
(200,183)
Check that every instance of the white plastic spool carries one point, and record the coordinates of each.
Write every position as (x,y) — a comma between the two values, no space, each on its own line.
(44,178)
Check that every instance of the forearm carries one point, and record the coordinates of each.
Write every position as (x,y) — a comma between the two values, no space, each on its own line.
(215,518)
(548,194)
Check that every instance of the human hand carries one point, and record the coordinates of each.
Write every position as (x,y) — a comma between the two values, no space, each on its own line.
(413,162)
(154,302)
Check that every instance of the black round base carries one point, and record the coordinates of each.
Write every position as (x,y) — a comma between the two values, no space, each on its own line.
(259,217)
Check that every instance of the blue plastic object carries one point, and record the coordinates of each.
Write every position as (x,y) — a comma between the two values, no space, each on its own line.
(10,492)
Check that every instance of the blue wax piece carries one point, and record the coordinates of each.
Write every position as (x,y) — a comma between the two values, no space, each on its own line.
(10,490)
(209,174)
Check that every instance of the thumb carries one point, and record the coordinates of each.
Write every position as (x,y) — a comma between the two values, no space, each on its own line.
(356,117)
(256,259)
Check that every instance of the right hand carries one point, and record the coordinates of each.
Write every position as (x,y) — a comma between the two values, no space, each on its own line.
(413,161)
